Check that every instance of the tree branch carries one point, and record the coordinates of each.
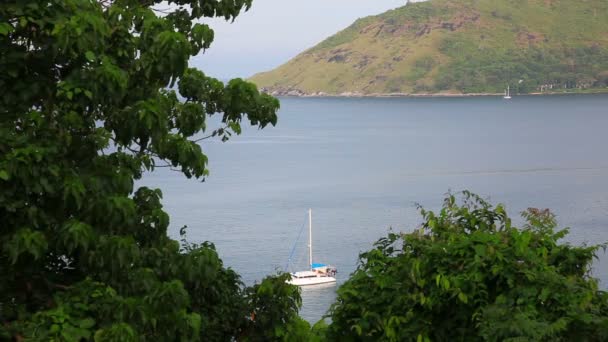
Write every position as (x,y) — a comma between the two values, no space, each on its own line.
(211,135)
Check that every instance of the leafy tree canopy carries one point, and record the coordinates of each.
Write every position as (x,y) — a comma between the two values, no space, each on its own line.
(468,275)
(94,94)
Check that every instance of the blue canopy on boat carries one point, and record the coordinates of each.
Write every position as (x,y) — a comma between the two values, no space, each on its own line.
(318,265)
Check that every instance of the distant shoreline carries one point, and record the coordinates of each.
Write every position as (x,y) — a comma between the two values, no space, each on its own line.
(431,95)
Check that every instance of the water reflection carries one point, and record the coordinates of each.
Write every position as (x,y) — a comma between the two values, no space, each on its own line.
(316,300)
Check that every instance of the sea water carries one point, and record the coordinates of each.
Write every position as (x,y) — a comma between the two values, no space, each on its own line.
(363,164)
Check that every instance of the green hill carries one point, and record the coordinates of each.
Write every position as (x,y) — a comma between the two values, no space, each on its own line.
(457,46)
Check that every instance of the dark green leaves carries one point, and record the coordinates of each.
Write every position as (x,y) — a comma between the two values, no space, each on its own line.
(274,313)
(229,9)
(77,235)
(202,37)
(468,275)
(25,242)
(169,55)
(81,31)
(243,97)
(85,110)
(190,118)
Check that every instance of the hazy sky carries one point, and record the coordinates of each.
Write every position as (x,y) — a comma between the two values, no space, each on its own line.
(274,31)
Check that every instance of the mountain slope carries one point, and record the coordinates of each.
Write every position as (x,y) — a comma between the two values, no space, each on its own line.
(457,46)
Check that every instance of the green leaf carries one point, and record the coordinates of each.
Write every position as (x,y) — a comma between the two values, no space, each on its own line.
(86,323)
(71,333)
(76,194)
(544,294)
(5,29)
(26,241)
(446,283)
(90,56)
(463,297)
(480,250)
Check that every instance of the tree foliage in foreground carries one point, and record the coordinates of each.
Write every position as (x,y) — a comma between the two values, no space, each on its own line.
(468,275)
(88,103)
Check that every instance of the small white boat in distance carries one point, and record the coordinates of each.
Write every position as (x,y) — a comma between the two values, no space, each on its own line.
(507,94)
(318,273)
(305,278)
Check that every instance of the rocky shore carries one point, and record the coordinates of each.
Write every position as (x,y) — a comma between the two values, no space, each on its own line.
(299,93)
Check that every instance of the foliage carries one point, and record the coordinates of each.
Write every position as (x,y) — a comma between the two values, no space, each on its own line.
(529,70)
(468,275)
(416,13)
(89,104)
(275,311)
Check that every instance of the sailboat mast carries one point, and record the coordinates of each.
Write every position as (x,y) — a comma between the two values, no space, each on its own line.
(310,238)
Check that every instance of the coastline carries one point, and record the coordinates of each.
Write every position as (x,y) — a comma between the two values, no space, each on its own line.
(299,94)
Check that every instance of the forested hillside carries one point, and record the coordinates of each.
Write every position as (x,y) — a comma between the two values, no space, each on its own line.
(463,46)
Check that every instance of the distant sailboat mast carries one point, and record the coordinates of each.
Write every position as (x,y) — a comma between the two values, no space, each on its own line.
(310,238)
(317,273)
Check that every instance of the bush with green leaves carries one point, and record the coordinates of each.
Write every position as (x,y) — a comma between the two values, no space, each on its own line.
(95,94)
(468,275)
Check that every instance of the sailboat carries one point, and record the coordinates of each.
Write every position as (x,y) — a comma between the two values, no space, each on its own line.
(507,93)
(318,273)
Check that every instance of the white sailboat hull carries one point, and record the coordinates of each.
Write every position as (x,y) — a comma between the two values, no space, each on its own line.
(311,281)
(318,273)
(507,94)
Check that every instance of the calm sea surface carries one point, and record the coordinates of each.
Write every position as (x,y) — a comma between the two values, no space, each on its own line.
(363,164)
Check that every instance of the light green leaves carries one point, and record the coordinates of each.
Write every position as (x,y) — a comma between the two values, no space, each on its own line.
(5,29)
(463,297)
(445,283)
(90,56)
(422,338)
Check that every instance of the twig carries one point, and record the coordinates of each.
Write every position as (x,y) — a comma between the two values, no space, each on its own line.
(211,135)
